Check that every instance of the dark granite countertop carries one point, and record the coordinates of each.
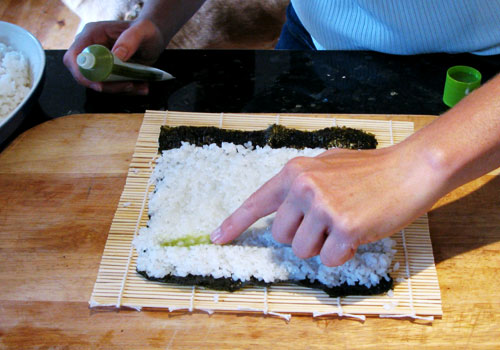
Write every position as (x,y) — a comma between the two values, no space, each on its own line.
(270,81)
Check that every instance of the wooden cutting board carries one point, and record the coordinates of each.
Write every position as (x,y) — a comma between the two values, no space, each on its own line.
(56,210)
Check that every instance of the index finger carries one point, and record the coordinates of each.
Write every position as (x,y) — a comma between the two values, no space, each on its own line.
(263,202)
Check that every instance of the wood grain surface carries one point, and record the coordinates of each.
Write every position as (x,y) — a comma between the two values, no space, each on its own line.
(59,187)
(50,21)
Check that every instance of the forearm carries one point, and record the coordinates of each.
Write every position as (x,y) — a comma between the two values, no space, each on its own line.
(169,15)
(463,143)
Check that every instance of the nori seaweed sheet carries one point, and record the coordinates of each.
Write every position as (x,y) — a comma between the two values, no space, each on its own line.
(230,285)
(222,283)
(345,289)
(276,136)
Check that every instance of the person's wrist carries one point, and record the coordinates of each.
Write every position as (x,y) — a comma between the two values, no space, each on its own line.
(425,168)
(163,29)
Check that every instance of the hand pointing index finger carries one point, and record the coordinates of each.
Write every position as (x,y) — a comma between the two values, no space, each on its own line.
(266,200)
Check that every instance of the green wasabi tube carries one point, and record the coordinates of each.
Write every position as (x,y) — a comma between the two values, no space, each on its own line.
(97,63)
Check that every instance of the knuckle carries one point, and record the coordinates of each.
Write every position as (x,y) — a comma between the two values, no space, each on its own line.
(146,24)
(250,207)
(91,25)
(346,226)
(67,59)
(295,166)
(321,210)
(88,28)
(304,184)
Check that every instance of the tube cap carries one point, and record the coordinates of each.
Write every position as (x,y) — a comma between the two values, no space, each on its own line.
(85,60)
(460,81)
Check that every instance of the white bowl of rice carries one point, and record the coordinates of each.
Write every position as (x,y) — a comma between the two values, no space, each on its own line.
(22,65)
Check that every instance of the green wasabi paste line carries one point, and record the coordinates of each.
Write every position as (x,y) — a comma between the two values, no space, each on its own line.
(187,241)
(97,63)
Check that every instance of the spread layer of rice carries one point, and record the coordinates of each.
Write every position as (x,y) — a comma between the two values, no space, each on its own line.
(14,79)
(196,188)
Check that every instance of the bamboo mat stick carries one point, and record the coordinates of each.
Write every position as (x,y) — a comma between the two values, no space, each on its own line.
(416,292)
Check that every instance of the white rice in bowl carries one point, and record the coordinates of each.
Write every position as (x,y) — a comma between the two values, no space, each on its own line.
(15,79)
(196,188)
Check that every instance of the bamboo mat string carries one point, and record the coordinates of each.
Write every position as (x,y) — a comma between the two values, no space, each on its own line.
(93,303)
(191,300)
(408,275)
(391,132)
(412,314)
(165,119)
(341,312)
(287,317)
(405,249)
(278,119)
(334,120)
(174,308)
(407,264)
(265,300)
(221,120)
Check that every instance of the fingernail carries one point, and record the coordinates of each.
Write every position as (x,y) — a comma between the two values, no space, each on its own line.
(120,52)
(216,235)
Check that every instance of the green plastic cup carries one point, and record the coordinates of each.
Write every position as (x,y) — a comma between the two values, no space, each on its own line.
(460,81)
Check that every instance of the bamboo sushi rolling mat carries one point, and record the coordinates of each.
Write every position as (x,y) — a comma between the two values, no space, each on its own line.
(416,292)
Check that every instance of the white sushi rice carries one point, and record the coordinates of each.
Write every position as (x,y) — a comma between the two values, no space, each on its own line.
(14,79)
(196,188)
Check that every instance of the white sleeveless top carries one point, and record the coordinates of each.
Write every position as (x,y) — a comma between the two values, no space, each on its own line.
(403,26)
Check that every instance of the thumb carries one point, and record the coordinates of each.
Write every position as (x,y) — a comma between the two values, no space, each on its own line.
(128,43)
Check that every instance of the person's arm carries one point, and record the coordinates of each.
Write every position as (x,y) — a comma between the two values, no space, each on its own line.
(143,39)
(332,203)
(169,15)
